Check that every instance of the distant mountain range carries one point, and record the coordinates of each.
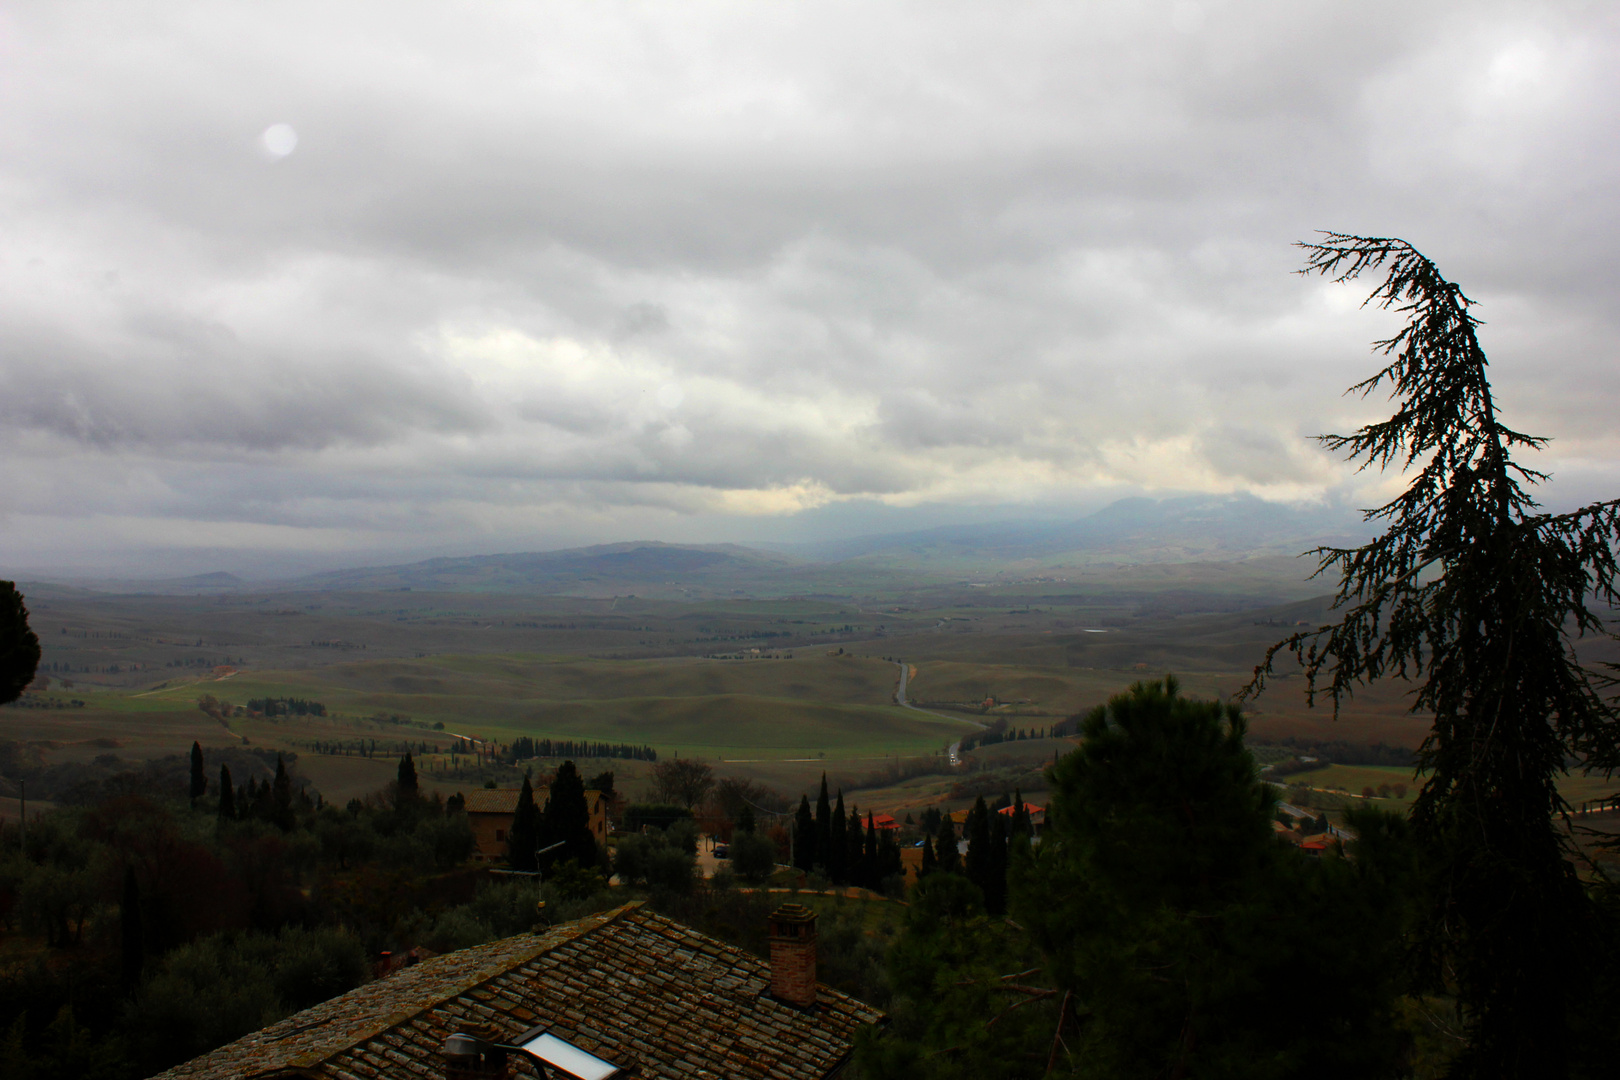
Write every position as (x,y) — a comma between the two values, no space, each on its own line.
(615,568)
(1199,527)
(1195,530)
(1132,531)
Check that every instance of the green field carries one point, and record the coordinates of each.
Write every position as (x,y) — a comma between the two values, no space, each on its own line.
(407,668)
(838,707)
(1354,779)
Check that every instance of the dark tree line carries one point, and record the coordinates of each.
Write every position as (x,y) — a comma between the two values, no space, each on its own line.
(286,707)
(541,839)
(848,849)
(1155,931)
(523,748)
(998,735)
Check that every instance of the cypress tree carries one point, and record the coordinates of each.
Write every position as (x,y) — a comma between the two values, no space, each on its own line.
(929,862)
(1020,815)
(199,779)
(823,825)
(837,856)
(977,830)
(745,819)
(804,836)
(408,786)
(873,868)
(281,797)
(995,887)
(131,934)
(524,836)
(227,795)
(890,864)
(567,819)
(854,849)
(950,859)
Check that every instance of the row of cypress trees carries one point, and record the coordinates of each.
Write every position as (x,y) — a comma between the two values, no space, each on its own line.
(565,820)
(990,837)
(842,846)
(272,801)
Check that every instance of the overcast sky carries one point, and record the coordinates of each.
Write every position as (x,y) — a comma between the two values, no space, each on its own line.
(316,284)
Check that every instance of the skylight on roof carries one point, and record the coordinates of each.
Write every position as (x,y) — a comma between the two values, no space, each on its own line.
(569,1058)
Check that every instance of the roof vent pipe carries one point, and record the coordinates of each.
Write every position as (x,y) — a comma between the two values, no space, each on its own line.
(473,1055)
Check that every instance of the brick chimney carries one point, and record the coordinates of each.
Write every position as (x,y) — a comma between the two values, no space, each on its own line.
(793,954)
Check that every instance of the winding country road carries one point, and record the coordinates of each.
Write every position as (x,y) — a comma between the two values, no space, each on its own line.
(954,750)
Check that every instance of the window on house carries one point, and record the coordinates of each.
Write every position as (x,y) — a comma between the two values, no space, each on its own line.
(500,834)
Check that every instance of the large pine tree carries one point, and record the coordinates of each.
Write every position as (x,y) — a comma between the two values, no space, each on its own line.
(1164,906)
(1478,598)
(19,646)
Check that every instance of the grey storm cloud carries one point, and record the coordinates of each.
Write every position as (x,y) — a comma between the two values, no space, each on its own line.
(353,278)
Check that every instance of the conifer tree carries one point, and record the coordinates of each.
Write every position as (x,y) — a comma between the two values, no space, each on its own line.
(949,858)
(1478,598)
(281,797)
(19,646)
(745,820)
(995,882)
(837,863)
(1160,899)
(227,795)
(524,837)
(855,848)
(804,836)
(199,779)
(409,787)
(929,862)
(823,826)
(890,864)
(131,931)
(567,820)
(872,869)
(977,831)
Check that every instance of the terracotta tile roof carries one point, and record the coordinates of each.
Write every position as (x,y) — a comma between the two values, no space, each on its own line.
(493,800)
(644,992)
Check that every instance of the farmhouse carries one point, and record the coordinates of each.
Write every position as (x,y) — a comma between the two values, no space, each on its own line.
(626,994)
(490,812)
